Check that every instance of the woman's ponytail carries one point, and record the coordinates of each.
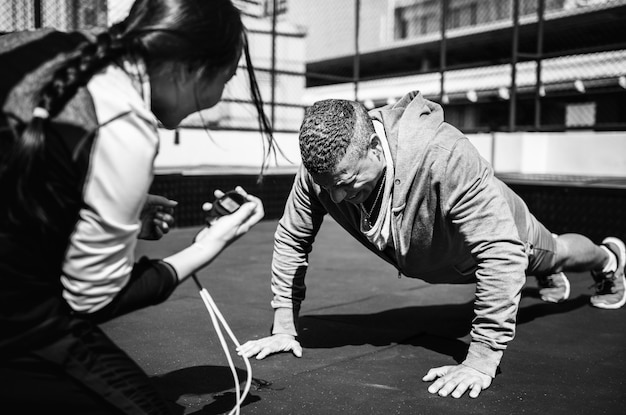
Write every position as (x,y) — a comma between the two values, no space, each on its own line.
(25,164)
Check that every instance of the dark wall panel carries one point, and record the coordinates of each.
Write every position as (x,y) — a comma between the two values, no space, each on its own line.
(192,191)
(593,211)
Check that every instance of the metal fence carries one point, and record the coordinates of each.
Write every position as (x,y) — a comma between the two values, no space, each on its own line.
(496,65)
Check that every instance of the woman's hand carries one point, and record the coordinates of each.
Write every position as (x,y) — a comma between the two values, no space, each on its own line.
(157,217)
(229,228)
(212,239)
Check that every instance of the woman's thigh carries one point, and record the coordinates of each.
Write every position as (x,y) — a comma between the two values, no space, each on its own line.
(83,372)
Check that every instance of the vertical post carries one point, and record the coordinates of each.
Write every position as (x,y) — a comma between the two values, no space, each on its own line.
(356,62)
(538,61)
(513,94)
(443,50)
(14,24)
(37,13)
(273,68)
(74,13)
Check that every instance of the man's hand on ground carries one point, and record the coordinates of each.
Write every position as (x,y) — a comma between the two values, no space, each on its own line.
(268,345)
(455,380)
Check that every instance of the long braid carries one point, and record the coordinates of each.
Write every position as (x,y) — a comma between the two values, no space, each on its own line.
(78,71)
(26,163)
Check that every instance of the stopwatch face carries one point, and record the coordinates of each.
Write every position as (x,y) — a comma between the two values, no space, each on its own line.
(228,203)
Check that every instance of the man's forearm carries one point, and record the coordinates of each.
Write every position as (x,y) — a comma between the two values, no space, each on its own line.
(482,358)
(285,321)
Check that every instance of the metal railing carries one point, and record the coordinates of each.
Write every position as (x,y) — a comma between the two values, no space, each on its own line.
(548,64)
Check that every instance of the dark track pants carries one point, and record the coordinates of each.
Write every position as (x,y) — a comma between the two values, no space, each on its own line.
(83,373)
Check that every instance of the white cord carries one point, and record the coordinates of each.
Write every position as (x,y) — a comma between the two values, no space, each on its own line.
(216,315)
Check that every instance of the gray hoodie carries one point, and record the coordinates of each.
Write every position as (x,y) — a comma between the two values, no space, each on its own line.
(454,222)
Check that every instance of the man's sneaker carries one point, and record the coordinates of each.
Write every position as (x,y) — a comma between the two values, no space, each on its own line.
(609,286)
(553,288)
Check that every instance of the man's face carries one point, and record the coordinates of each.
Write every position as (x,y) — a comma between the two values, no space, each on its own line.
(355,177)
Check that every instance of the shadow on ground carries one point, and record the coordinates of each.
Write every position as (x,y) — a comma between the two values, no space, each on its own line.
(438,328)
(192,387)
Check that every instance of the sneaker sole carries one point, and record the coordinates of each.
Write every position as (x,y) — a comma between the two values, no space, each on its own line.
(565,295)
(614,306)
(620,265)
(567,288)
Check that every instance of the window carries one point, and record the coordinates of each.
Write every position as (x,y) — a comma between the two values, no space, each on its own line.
(503,10)
(580,114)
(428,24)
(462,16)
(401,25)
(417,19)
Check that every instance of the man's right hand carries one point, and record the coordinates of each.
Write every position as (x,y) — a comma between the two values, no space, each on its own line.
(268,345)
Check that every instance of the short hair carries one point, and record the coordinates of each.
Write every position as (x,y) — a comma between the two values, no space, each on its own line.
(329,128)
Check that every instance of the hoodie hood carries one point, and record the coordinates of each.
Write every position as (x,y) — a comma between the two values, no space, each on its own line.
(410,124)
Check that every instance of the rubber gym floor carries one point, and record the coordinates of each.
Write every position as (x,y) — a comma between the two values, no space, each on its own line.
(368,339)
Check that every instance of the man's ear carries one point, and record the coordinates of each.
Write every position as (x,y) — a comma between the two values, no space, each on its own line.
(375,143)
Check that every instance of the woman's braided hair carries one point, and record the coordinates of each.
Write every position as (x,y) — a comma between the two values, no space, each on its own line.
(78,71)
(202,35)
(26,162)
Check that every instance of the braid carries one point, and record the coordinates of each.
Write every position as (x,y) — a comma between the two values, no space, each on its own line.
(26,162)
(78,71)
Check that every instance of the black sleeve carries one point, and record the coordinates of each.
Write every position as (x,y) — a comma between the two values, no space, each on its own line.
(151,282)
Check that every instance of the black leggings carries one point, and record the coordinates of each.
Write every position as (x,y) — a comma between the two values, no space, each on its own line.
(82,373)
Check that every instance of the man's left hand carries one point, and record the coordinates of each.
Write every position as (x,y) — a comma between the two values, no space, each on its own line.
(157,217)
(456,380)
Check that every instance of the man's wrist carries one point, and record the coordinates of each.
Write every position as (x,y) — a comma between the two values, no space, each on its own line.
(483,359)
(284,322)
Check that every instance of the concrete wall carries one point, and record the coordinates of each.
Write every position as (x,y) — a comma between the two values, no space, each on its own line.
(199,151)
(577,153)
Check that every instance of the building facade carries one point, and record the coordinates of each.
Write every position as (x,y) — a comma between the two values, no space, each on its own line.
(60,14)
(570,59)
